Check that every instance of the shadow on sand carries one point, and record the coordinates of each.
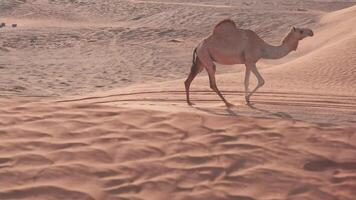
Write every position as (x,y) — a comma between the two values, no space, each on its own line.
(234,111)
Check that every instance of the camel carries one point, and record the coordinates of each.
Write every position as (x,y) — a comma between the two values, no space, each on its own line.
(229,45)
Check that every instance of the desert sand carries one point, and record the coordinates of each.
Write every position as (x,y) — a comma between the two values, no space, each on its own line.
(93,103)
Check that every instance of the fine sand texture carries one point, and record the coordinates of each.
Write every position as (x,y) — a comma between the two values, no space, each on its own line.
(93,106)
(78,150)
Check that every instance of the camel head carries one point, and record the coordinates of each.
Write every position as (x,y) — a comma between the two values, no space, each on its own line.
(301,33)
(295,35)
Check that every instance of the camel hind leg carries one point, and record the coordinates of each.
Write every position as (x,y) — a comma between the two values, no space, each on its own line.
(211,69)
(197,67)
(204,57)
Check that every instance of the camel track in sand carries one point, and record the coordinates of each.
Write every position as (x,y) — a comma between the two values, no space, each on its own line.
(288,104)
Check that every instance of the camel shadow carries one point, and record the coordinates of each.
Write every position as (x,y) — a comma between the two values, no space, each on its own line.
(233,111)
(228,111)
(281,115)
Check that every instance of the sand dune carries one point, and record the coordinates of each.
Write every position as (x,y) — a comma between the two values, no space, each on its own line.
(142,141)
(88,151)
(330,66)
(55,49)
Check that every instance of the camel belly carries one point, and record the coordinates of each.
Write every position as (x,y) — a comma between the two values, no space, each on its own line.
(225,57)
(227,51)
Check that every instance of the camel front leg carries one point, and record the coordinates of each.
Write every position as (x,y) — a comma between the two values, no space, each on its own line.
(260,83)
(247,81)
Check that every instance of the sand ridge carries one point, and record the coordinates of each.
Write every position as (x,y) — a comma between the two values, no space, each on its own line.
(78,150)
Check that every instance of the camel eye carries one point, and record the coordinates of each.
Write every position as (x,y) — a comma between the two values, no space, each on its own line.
(301,32)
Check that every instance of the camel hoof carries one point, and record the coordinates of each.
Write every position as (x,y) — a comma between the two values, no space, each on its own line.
(229,105)
(247,98)
(190,103)
(249,104)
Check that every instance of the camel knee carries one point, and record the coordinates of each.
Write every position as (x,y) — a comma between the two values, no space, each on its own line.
(261,82)
(187,83)
(213,86)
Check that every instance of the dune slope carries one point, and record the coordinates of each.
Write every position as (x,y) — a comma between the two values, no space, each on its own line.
(330,66)
(81,150)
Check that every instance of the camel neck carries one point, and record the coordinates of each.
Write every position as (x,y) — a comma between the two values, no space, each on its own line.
(276,52)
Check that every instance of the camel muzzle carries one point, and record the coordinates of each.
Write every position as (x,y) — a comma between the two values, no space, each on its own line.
(311,34)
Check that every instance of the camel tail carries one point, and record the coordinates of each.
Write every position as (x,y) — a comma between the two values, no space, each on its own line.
(194,59)
(195,55)
(193,72)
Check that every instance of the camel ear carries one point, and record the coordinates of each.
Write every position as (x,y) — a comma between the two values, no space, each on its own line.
(293,28)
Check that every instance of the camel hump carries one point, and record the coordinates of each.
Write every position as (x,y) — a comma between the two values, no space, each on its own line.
(225,26)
